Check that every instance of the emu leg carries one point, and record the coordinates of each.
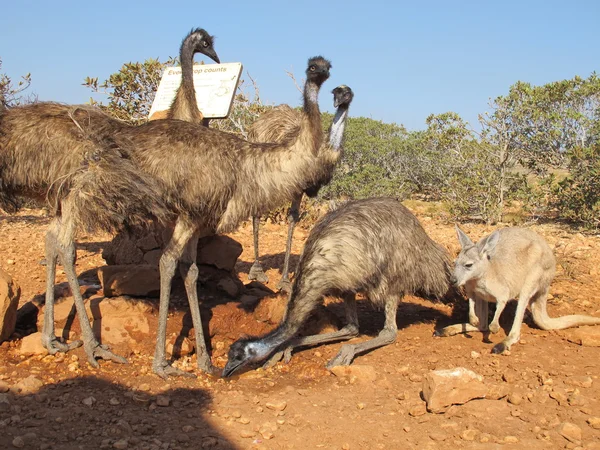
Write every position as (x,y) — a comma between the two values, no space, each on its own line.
(49,340)
(348,332)
(385,337)
(67,253)
(293,217)
(478,320)
(256,271)
(182,233)
(189,273)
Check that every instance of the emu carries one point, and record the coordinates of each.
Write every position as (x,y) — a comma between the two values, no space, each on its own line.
(184,106)
(209,180)
(277,125)
(511,263)
(374,246)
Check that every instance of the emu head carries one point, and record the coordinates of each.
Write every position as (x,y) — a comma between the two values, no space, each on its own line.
(199,41)
(243,352)
(318,70)
(473,260)
(342,96)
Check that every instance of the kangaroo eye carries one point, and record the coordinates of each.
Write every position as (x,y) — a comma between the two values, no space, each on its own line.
(469,265)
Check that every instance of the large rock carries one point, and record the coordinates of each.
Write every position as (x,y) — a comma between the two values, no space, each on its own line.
(219,251)
(9,302)
(443,388)
(133,280)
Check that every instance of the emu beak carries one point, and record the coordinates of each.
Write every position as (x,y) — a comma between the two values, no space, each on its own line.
(213,55)
(231,367)
(336,102)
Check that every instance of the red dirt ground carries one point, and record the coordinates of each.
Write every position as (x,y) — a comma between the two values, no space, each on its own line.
(119,406)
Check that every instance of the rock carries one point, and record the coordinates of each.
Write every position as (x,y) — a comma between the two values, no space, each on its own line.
(586,336)
(497,391)
(219,251)
(417,410)
(121,444)
(229,286)
(579,381)
(18,442)
(163,400)
(356,372)
(187,428)
(179,346)
(4,387)
(443,388)
(89,401)
(594,422)
(247,433)
(29,385)
(209,442)
(570,432)
(122,250)
(469,434)
(511,439)
(32,345)
(147,243)
(9,302)
(438,436)
(152,258)
(515,398)
(277,405)
(134,280)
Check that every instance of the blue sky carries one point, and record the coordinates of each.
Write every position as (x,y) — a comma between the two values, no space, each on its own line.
(404,60)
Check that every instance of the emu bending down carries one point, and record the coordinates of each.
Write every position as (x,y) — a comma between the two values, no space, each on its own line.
(375,246)
(209,180)
(279,125)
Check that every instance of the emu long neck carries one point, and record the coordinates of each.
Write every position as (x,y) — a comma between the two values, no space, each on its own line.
(312,133)
(336,132)
(184,106)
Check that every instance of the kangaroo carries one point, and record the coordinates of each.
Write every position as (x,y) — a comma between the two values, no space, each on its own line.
(512,263)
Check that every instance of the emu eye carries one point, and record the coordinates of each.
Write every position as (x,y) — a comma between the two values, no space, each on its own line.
(204,44)
(313,68)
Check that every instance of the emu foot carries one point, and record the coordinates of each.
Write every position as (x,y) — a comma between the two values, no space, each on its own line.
(285,285)
(207,367)
(95,351)
(500,348)
(53,345)
(164,370)
(285,354)
(343,358)
(257,273)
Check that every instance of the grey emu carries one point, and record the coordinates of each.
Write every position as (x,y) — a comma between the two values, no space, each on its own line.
(210,181)
(277,125)
(374,246)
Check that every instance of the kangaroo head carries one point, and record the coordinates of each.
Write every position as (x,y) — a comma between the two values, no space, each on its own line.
(473,260)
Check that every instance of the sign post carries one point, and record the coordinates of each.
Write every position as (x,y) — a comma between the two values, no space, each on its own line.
(215,86)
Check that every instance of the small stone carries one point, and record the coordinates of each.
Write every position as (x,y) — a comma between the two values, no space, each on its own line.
(346,446)
(121,444)
(418,410)
(18,442)
(145,387)
(485,437)
(594,422)
(579,381)
(406,428)
(267,434)
(511,439)
(358,372)
(276,406)
(114,402)
(469,434)
(475,355)
(586,336)
(29,385)
(497,391)
(576,400)
(438,436)
(163,400)
(32,345)
(4,387)
(515,398)
(570,432)
(415,378)
(247,433)
(509,377)
(244,420)
(188,428)
(209,442)
(88,401)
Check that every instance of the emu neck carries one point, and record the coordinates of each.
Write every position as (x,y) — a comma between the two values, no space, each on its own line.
(311,110)
(336,133)
(184,106)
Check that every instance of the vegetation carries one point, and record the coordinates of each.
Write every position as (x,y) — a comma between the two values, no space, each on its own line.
(524,140)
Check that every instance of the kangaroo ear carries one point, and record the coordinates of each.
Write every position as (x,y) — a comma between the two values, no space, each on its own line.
(465,241)
(487,245)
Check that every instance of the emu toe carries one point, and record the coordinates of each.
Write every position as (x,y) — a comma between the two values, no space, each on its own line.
(285,285)
(343,358)
(165,370)
(96,351)
(257,273)
(54,346)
